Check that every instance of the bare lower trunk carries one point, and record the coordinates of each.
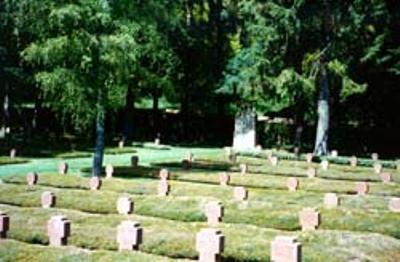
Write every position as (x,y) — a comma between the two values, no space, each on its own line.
(244,137)
(99,147)
(156,115)
(321,139)
(128,115)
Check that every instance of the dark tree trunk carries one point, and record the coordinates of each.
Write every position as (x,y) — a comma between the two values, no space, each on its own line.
(5,127)
(99,146)
(156,115)
(129,115)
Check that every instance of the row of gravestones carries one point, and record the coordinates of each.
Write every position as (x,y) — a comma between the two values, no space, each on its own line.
(210,242)
(232,156)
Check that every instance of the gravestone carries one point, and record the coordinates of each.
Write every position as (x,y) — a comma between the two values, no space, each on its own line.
(362,188)
(240,193)
(63,168)
(125,205)
(224,179)
(331,200)
(244,137)
(189,156)
(164,174)
(157,141)
(243,169)
(353,161)
(296,151)
(210,245)
(309,218)
(129,235)
(394,204)
(311,172)
(292,184)
(377,168)
(163,188)
(375,156)
(386,177)
(214,212)
(4,224)
(230,153)
(134,161)
(109,171)
(13,153)
(324,164)
(285,249)
(309,158)
(121,144)
(32,178)
(58,230)
(273,160)
(48,199)
(334,153)
(95,183)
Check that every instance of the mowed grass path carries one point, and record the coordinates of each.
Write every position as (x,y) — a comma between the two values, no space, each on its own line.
(361,227)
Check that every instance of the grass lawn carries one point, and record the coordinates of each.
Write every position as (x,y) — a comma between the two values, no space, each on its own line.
(6,160)
(362,227)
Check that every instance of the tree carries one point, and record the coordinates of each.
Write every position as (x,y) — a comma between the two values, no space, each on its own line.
(77,57)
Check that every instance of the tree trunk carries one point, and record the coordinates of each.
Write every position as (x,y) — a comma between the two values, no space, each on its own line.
(5,128)
(244,137)
(128,114)
(321,140)
(99,146)
(156,117)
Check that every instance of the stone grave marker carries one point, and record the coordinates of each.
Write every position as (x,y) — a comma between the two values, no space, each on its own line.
(240,193)
(13,153)
(377,168)
(164,174)
(243,169)
(58,230)
(394,204)
(334,153)
(292,184)
(129,235)
(210,245)
(214,212)
(331,200)
(309,158)
(353,161)
(63,168)
(386,177)
(121,144)
(109,171)
(274,160)
(309,218)
(362,188)
(375,156)
(324,164)
(32,178)
(224,179)
(48,199)
(311,172)
(163,188)
(285,249)
(125,205)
